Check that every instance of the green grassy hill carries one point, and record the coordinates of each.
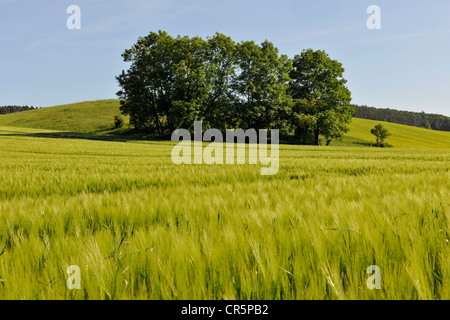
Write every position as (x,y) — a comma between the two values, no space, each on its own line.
(90,116)
(98,117)
(402,136)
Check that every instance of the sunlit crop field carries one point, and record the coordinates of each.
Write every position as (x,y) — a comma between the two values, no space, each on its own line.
(140,227)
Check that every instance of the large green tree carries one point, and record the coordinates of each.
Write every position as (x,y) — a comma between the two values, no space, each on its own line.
(220,66)
(173,81)
(321,98)
(261,86)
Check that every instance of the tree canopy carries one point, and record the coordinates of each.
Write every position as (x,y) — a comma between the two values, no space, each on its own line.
(322,100)
(380,133)
(174,81)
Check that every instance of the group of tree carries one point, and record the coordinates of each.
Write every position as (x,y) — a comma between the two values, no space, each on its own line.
(417,119)
(173,81)
(13,109)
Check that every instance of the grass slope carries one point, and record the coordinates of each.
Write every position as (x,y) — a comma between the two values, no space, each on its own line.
(90,116)
(402,136)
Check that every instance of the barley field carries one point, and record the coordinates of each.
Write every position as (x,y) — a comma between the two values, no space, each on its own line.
(140,227)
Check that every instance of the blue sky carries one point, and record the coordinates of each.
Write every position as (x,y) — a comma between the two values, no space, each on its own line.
(405,65)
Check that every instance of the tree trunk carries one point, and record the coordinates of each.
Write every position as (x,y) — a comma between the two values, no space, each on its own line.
(316,137)
(158,124)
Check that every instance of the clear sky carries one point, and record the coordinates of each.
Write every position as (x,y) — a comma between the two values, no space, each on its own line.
(404,65)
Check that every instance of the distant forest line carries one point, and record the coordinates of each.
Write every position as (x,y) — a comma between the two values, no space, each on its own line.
(13,109)
(409,118)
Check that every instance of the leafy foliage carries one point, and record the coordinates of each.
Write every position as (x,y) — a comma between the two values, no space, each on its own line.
(174,81)
(320,95)
(380,133)
(262,86)
(118,121)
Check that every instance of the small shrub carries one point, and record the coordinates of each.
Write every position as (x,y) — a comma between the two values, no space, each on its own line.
(386,145)
(118,122)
